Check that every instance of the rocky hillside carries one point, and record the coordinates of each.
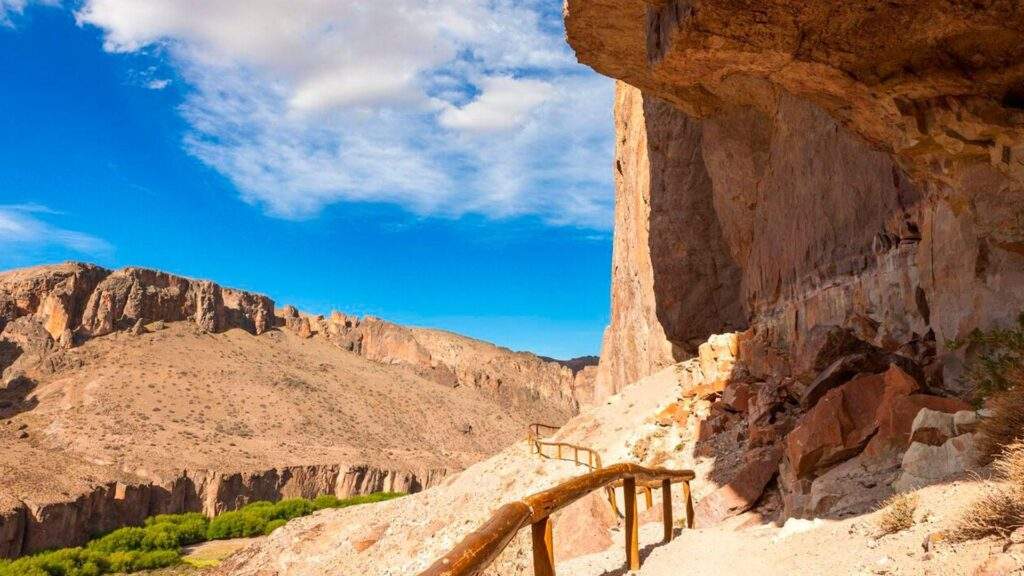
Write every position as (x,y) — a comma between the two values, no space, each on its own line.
(780,167)
(859,438)
(133,392)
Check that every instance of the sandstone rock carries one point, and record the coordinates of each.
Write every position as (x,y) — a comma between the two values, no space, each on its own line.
(925,464)
(965,422)
(852,487)
(877,408)
(932,427)
(997,565)
(56,295)
(674,414)
(12,528)
(583,528)
(822,347)
(138,329)
(737,396)
(253,313)
(368,537)
(740,493)
(758,185)
(300,326)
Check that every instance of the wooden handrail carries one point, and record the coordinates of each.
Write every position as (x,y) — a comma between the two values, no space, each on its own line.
(477,550)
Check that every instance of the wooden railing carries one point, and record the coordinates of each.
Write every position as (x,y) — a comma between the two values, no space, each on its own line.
(535,437)
(477,550)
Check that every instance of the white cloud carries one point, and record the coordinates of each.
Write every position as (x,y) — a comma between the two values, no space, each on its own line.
(442,106)
(10,8)
(158,84)
(21,225)
(505,103)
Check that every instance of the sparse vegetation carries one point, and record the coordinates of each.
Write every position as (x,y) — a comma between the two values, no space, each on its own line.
(1005,425)
(158,543)
(897,513)
(999,356)
(1000,510)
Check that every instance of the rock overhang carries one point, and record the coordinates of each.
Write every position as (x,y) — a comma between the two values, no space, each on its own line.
(937,83)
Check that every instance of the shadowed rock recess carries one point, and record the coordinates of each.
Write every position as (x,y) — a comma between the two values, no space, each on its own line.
(135,392)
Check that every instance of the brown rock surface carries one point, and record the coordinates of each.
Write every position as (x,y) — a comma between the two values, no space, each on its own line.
(742,491)
(785,167)
(162,381)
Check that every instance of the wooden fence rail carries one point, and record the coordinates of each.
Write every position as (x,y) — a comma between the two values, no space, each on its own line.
(477,550)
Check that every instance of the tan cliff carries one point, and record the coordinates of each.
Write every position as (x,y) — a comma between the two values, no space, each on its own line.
(809,164)
(134,392)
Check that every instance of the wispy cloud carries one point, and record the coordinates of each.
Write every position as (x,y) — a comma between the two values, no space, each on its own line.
(443,107)
(11,8)
(24,225)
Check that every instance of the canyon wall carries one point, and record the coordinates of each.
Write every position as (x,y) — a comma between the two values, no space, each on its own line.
(27,527)
(781,166)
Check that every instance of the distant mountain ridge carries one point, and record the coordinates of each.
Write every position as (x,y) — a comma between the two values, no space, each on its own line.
(133,392)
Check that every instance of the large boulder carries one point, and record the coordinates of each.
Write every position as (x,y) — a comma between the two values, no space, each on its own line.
(743,491)
(869,417)
(924,464)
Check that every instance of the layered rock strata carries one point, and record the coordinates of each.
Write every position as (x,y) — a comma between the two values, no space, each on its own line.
(782,166)
(27,527)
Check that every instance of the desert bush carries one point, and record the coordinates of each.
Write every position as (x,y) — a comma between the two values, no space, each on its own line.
(88,562)
(158,543)
(897,513)
(1005,425)
(1000,510)
(326,501)
(273,525)
(999,356)
(190,527)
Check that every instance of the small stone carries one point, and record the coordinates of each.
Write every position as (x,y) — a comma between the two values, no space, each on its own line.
(23,435)
(932,539)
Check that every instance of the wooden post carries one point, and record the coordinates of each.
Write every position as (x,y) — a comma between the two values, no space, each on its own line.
(559,451)
(576,455)
(648,499)
(632,527)
(666,507)
(543,548)
(689,504)
(613,501)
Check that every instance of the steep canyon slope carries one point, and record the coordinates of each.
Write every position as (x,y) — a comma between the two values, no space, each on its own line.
(132,392)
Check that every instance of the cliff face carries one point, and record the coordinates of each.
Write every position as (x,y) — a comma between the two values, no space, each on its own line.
(782,166)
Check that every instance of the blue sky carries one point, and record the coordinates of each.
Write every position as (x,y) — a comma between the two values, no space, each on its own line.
(435,163)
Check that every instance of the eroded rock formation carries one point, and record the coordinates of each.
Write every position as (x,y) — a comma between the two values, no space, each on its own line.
(783,166)
(114,382)
(27,527)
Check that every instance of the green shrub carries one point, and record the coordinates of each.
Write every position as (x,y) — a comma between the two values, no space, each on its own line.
(121,539)
(273,525)
(158,543)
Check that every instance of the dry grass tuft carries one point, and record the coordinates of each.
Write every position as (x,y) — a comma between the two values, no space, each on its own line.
(898,513)
(1006,424)
(1001,510)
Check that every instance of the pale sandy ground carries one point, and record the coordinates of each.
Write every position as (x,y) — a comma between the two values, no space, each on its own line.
(824,547)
